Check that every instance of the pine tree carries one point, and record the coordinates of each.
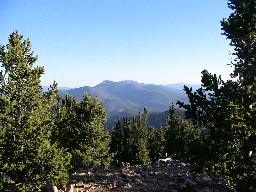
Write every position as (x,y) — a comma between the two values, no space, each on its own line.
(26,119)
(81,130)
(96,140)
(130,141)
(173,136)
(220,117)
(156,143)
(240,29)
(182,137)
(128,152)
(140,144)
(67,130)
(225,111)
(117,142)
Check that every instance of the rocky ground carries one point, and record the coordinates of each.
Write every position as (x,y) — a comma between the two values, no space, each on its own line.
(172,176)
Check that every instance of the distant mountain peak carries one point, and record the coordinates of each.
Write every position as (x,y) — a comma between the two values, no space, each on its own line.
(124,82)
(107,81)
(129,82)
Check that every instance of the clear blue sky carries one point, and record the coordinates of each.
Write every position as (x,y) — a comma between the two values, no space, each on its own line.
(84,42)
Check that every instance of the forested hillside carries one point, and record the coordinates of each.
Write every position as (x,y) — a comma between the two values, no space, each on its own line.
(128,98)
(155,119)
(130,95)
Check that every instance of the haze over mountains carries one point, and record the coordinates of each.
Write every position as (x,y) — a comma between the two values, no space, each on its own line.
(127,98)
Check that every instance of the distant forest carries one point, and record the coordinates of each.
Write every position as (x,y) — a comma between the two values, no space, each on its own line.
(47,136)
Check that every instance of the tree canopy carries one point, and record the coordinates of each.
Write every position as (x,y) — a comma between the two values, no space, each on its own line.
(225,111)
(28,158)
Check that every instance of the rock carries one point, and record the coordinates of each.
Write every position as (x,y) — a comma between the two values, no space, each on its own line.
(190,182)
(113,183)
(87,186)
(142,190)
(205,190)
(120,183)
(144,174)
(70,188)
(50,188)
(160,176)
(128,185)
(154,180)
(181,180)
(172,176)
(207,180)
(138,181)
(123,175)
(174,186)
(149,186)
(179,175)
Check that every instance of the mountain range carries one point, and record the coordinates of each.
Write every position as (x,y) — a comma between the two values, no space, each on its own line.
(127,98)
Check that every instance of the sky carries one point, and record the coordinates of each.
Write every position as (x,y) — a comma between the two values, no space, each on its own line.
(84,42)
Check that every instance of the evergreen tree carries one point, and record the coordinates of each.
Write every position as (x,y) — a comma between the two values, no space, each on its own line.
(128,152)
(173,135)
(67,130)
(182,137)
(117,142)
(81,130)
(225,111)
(140,143)
(130,141)
(220,117)
(240,29)
(26,119)
(96,140)
(156,143)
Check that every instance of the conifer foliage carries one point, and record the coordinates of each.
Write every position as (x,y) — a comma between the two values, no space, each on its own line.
(27,157)
(134,142)
(80,128)
(225,111)
(182,137)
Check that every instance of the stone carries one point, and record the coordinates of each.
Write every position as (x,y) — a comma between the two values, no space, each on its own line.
(120,183)
(144,174)
(205,190)
(173,186)
(207,180)
(180,180)
(149,186)
(154,180)
(172,176)
(70,188)
(190,182)
(50,188)
(142,190)
(179,175)
(138,181)
(128,185)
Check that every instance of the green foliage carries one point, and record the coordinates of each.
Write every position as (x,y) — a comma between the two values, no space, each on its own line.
(140,143)
(134,142)
(182,137)
(156,143)
(239,28)
(26,118)
(66,132)
(117,142)
(173,133)
(80,128)
(225,111)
